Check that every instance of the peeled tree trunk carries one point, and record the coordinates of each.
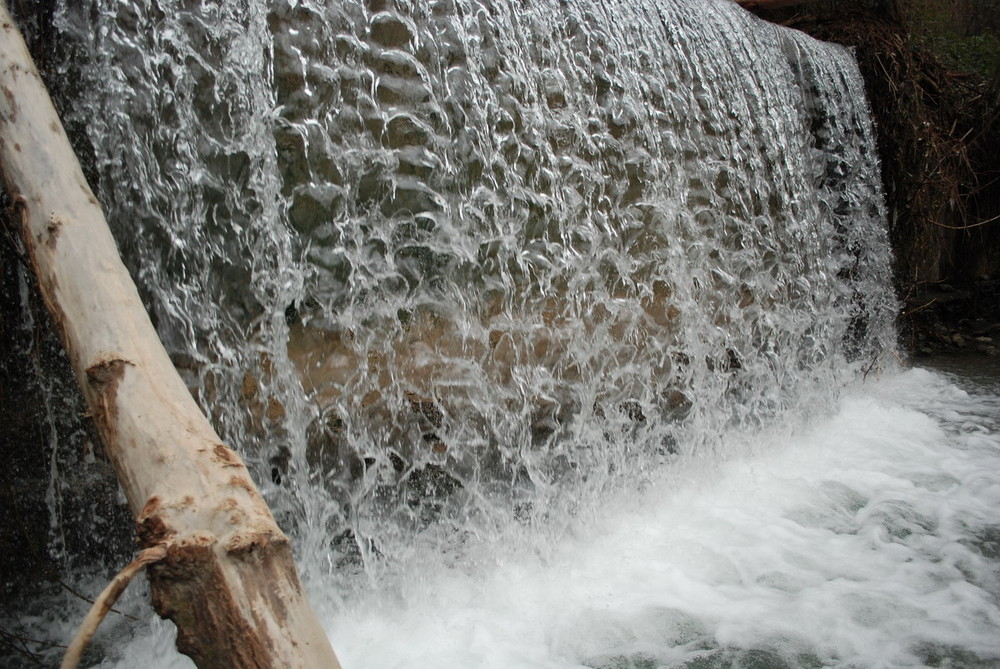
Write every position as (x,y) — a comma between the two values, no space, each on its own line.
(221,568)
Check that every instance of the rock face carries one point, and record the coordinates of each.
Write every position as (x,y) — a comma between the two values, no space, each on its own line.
(42,487)
(961,319)
(384,75)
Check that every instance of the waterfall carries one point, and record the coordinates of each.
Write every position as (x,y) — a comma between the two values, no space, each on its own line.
(447,266)
(454,275)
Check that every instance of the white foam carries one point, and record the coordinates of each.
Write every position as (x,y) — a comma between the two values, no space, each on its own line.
(858,542)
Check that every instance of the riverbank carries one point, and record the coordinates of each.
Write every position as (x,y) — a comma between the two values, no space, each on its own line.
(960,319)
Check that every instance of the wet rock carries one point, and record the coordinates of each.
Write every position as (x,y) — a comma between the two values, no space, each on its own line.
(415,263)
(405,130)
(554,85)
(391,30)
(635,170)
(354,82)
(289,70)
(398,63)
(426,408)
(372,186)
(622,122)
(292,161)
(382,6)
(460,85)
(436,444)
(275,410)
(411,197)
(314,205)
(325,83)
(337,265)
(249,386)
(323,161)
(504,123)
(349,48)
(632,410)
(417,162)
(432,482)
(348,550)
(374,122)
(392,90)
(948,318)
(443,8)
(676,404)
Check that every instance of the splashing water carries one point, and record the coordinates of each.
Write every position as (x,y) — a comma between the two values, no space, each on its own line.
(528,317)
(869,538)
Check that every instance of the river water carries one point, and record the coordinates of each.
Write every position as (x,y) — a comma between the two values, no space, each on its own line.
(556,334)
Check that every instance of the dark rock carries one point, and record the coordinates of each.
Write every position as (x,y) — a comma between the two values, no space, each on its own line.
(405,130)
(397,63)
(392,90)
(314,205)
(391,30)
(411,197)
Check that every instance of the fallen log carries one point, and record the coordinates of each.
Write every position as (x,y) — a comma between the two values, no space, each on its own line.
(223,570)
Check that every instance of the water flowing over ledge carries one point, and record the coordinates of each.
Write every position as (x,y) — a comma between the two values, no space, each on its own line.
(451,264)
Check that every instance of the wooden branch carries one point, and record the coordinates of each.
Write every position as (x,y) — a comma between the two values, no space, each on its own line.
(105,601)
(228,579)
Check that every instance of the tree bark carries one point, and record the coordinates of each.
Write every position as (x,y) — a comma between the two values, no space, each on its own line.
(228,579)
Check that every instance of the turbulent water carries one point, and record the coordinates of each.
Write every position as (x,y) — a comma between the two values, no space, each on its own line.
(535,322)
(869,538)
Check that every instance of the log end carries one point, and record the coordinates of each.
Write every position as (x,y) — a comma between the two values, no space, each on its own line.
(235,605)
